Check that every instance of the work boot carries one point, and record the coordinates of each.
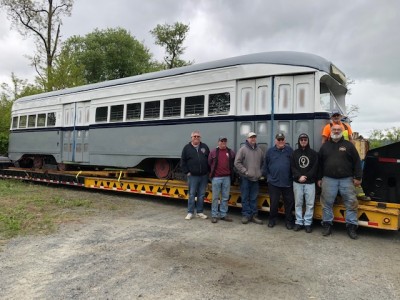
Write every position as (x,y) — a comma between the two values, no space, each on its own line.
(327,229)
(256,220)
(351,231)
(308,228)
(297,227)
(245,220)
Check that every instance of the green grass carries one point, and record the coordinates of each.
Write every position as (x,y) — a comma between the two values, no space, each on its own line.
(27,208)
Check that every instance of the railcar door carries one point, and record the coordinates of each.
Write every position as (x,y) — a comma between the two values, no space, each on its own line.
(253,105)
(76,132)
(293,107)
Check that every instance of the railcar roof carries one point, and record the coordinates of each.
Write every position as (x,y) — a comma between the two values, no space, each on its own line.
(277,57)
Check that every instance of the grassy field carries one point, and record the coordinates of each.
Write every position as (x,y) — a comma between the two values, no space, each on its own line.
(28,208)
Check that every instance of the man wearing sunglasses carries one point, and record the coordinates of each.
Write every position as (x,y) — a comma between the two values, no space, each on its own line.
(194,163)
(304,169)
(336,118)
(279,177)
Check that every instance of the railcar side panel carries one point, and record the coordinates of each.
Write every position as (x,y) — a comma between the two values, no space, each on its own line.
(45,142)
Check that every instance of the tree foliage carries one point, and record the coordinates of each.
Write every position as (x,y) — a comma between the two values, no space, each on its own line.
(108,54)
(379,138)
(8,94)
(43,20)
(172,37)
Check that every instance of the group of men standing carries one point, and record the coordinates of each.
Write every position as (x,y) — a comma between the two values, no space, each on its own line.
(290,174)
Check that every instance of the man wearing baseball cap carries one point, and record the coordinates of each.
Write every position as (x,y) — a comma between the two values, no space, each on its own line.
(336,117)
(278,172)
(221,161)
(248,163)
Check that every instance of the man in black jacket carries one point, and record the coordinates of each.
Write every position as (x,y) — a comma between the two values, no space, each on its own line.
(339,171)
(304,164)
(194,163)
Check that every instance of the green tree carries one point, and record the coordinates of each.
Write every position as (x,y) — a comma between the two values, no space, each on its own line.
(172,37)
(379,138)
(43,20)
(67,70)
(8,94)
(109,54)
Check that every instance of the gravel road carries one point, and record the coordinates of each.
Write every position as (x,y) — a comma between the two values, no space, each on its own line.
(149,251)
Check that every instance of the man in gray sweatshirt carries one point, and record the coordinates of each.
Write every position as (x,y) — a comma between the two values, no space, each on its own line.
(248,162)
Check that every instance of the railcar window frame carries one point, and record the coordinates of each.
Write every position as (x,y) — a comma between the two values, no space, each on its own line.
(219,104)
(152,110)
(172,108)
(15,122)
(31,121)
(117,113)
(22,121)
(51,119)
(41,120)
(194,106)
(101,115)
(133,111)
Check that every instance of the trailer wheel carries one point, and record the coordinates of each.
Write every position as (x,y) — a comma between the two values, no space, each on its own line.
(163,168)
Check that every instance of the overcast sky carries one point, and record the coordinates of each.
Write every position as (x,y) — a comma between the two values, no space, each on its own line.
(361,37)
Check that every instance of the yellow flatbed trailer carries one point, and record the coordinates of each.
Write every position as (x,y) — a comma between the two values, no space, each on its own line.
(372,214)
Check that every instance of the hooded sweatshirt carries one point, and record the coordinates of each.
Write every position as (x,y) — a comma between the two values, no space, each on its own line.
(304,162)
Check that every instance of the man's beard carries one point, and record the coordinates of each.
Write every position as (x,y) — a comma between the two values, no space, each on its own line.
(336,136)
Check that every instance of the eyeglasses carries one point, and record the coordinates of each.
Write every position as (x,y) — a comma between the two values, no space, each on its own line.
(196,136)
(303,140)
(280,140)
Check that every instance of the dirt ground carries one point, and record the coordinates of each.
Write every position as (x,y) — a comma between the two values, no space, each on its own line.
(149,251)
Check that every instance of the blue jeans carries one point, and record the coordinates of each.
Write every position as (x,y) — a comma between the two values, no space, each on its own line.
(249,193)
(330,188)
(197,187)
(220,185)
(304,193)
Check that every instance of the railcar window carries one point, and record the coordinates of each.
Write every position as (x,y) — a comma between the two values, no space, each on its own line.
(41,120)
(247,103)
(117,113)
(22,122)
(284,98)
(15,122)
(133,111)
(194,106)
(31,120)
(51,119)
(101,114)
(263,102)
(152,110)
(303,99)
(172,107)
(219,104)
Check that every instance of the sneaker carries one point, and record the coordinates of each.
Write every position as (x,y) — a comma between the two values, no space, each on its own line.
(271,224)
(308,229)
(351,231)
(214,220)
(201,216)
(245,220)
(226,219)
(189,216)
(327,229)
(363,197)
(297,227)
(256,220)
(289,226)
